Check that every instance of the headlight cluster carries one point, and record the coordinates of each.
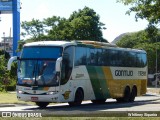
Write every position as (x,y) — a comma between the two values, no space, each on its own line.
(20,92)
(51,92)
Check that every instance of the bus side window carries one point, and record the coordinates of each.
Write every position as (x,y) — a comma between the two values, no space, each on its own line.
(92,57)
(80,56)
(99,57)
(88,56)
(67,64)
(105,57)
(144,59)
(138,60)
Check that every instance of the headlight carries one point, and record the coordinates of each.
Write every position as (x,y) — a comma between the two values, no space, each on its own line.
(20,92)
(50,93)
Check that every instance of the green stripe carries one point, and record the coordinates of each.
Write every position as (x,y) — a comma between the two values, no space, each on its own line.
(98,82)
(102,81)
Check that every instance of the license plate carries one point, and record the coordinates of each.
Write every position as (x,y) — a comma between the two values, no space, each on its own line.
(34,98)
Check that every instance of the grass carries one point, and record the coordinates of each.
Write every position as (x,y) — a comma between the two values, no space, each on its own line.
(11,98)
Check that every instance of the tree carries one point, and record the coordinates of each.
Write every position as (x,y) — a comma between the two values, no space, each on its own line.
(6,77)
(132,39)
(144,9)
(7,55)
(61,30)
(86,25)
(150,48)
(81,25)
(33,28)
(4,80)
(140,40)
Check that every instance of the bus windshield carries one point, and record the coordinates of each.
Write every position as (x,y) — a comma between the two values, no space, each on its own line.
(41,52)
(37,66)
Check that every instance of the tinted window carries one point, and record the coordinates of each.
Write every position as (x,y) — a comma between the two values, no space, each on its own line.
(80,56)
(99,57)
(109,57)
(67,64)
(41,52)
(144,59)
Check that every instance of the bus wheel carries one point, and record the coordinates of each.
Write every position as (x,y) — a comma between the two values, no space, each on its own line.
(42,104)
(126,96)
(133,94)
(79,96)
(98,101)
(119,100)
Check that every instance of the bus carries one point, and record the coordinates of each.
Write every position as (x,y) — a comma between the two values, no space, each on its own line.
(76,71)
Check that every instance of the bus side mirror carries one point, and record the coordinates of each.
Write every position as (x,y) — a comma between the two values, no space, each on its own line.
(11,60)
(58,64)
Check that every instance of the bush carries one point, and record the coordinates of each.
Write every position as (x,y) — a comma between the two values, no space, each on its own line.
(10,88)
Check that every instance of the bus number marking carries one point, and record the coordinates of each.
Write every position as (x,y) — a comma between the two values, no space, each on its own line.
(141,73)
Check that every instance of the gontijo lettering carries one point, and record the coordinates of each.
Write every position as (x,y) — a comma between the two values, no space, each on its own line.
(123,73)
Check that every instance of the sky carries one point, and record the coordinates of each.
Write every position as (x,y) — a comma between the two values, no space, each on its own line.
(111,13)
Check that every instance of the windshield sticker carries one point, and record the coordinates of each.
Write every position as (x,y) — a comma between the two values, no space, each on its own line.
(27,81)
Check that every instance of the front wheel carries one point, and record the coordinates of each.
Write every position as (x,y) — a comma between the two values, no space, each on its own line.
(79,96)
(42,104)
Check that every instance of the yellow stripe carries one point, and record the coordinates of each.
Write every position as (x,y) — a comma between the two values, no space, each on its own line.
(109,80)
(108,73)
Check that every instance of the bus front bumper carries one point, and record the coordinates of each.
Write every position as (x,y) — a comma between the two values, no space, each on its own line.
(37,98)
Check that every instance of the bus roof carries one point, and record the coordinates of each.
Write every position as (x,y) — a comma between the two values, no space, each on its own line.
(66,43)
(90,43)
(50,43)
(96,43)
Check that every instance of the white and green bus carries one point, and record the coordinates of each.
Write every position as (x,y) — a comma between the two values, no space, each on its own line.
(59,71)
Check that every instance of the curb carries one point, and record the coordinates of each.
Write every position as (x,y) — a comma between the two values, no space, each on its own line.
(7,105)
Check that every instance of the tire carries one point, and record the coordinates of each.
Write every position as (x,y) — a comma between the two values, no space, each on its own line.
(119,100)
(79,96)
(98,101)
(133,94)
(42,104)
(126,96)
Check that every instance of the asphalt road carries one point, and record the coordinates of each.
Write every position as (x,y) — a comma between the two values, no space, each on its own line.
(148,104)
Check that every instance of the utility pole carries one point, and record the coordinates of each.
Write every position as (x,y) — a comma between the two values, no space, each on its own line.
(156,65)
(16,24)
(4,43)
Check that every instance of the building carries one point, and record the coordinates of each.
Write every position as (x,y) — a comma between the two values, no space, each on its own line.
(7,45)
